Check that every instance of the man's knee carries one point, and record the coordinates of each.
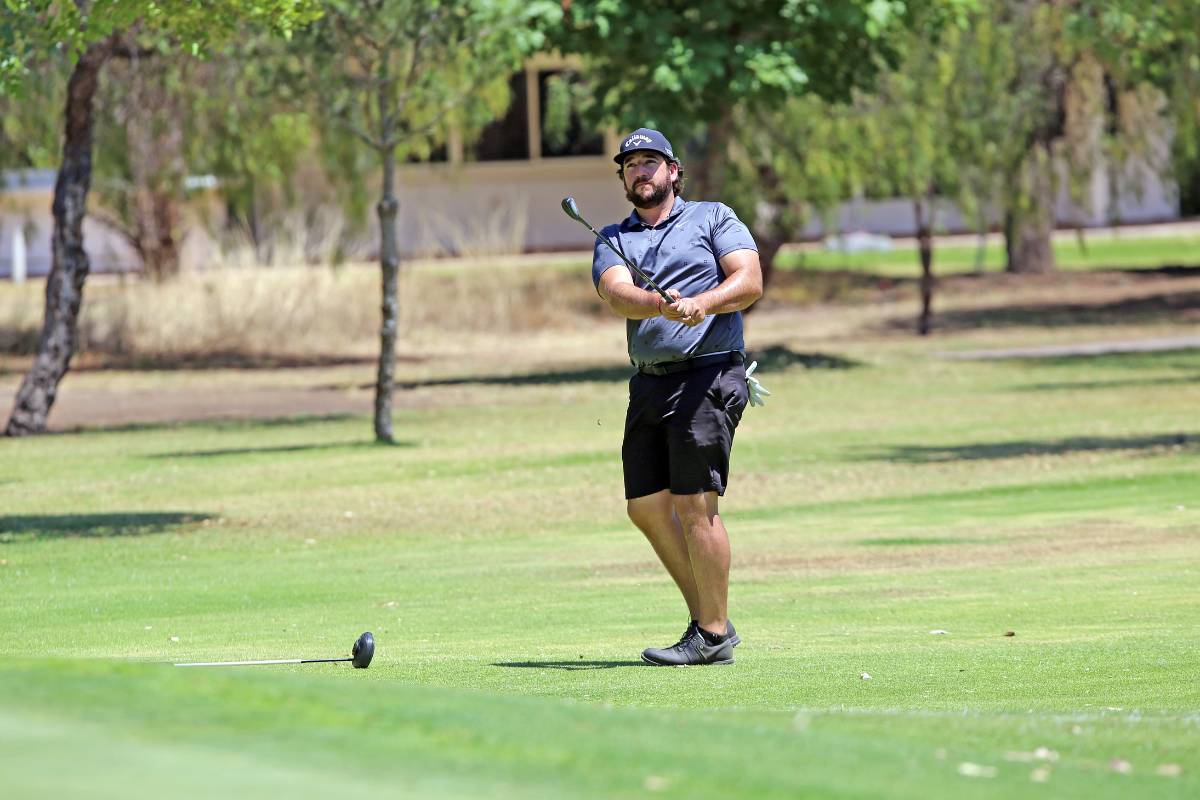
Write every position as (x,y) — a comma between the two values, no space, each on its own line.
(695,509)
(650,512)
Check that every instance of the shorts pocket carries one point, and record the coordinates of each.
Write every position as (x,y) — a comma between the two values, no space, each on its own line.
(734,393)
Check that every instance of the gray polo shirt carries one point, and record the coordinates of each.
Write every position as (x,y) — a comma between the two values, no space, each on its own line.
(682,252)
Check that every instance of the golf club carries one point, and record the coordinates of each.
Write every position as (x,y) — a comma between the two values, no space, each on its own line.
(569,205)
(362,653)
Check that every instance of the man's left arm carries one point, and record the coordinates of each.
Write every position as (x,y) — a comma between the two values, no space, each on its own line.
(740,288)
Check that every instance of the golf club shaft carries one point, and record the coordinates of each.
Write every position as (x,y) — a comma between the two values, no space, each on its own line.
(637,271)
(255,663)
(572,210)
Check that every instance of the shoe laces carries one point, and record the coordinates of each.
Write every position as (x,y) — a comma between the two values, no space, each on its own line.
(693,630)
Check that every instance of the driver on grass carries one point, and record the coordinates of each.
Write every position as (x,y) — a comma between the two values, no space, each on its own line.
(691,386)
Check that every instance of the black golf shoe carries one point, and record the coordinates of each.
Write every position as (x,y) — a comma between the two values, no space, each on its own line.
(694,626)
(692,650)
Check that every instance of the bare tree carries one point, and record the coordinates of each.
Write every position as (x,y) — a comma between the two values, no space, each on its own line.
(395,74)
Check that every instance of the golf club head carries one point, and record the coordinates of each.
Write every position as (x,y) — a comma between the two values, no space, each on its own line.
(571,209)
(364,651)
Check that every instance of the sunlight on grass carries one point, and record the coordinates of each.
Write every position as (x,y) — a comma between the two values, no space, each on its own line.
(1095,253)
(1003,548)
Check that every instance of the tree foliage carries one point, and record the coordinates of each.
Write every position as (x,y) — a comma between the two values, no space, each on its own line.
(30,123)
(30,29)
(394,73)
(676,65)
(693,69)
(1156,43)
(90,34)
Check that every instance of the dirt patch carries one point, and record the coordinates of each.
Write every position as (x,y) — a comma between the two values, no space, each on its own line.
(1161,344)
(1083,543)
(1000,300)
(98,408)
(463,367)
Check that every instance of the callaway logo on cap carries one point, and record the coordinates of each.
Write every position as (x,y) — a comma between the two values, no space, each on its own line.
(645,139)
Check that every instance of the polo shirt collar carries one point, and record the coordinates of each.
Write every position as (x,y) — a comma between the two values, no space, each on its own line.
(634,222)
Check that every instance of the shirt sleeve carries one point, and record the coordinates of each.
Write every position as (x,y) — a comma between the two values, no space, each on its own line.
(602,257)
(729,233)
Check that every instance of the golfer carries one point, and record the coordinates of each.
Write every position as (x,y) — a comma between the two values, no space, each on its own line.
(690,388)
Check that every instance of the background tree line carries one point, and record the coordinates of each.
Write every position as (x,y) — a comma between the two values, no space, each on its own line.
(784,109)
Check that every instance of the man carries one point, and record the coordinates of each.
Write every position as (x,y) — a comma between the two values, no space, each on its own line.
(690,388)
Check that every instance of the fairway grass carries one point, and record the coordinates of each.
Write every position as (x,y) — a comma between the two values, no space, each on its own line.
(1103,250)
(952,579)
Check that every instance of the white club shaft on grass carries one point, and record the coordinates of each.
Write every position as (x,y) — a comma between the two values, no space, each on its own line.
(254,663)
(361,654)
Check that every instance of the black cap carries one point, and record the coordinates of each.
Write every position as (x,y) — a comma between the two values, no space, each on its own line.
(645,139)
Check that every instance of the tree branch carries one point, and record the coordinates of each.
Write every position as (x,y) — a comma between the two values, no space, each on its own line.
(417,48)
(433,124)
(115,225)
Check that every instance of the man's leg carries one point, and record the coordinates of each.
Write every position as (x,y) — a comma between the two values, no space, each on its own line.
(707,544)
(654,514)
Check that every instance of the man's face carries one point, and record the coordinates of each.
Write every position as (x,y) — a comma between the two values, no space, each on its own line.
(648,178)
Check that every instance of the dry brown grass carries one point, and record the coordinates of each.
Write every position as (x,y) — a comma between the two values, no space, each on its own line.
(236,315)
(298,312)
(1089,542)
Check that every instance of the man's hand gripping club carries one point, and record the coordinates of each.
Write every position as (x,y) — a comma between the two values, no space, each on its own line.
(686,310)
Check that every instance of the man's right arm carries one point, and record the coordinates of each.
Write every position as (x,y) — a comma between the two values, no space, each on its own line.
(626,299)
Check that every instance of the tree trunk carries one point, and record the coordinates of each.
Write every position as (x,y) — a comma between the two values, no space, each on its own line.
(69,266)
(154,136)
(782,222)
(768,248)
(1029,230)
(1029,227)
(705,176)
(156,222)
(923,207)
(389,260)
(981,239)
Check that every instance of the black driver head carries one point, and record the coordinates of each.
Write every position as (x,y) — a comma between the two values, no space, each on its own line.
(571,209)
(364,651)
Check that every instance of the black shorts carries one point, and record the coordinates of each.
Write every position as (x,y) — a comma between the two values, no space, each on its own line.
(679,430)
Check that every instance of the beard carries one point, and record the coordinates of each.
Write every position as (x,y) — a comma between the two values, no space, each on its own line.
(656,197)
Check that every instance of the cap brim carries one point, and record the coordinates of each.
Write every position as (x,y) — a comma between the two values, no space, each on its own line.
(619,158)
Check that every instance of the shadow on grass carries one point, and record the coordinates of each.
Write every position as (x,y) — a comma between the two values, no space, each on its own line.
(1157,308)
(776,358)
(583,375)
(1116,384)
(917,454)
(1185,358)
(217,424)
(1168,270)
(908,541)
(280,449)
(570,664)
(769,360)
(70,526)
(222,360)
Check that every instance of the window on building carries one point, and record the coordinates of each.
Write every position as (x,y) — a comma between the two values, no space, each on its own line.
(507,138)
(560,96)
(437,155)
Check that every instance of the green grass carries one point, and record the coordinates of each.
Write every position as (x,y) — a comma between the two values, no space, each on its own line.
(509,597)
(1096,253)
